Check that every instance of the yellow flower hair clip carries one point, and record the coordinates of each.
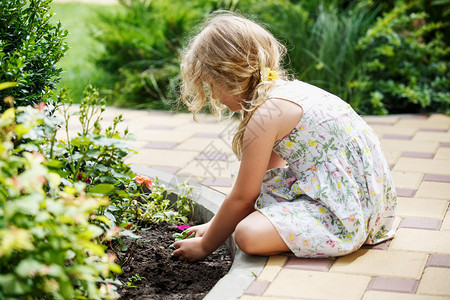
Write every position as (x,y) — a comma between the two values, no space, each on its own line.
(269,75)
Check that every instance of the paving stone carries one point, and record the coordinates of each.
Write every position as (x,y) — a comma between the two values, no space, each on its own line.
(222,156)
(317,285)
(175,136)
(215,181)
(391,156)
(432,136)
(443,153)
(444,144)
(160,145)
(433,242)
(435,281)
(405,192)
(160,119)
(402,146)
(430,189)
(221,189)
(418,154)
(165,169)
(136,145)
(383,129)
(272,267)
(376,295)
(311,264)
(248,297)
(386,120)
(417,123)
(205,169)
(157,157)
(206,135)
(421,207)
(436,177)
(382,263)
(257,288)
(446,222)
(212,147)
(428,166)
(159,127)
(433,129)
(209,128)
(407,180)
(439,261)
(419,223)
(440,119)
(389,284)
(397,136)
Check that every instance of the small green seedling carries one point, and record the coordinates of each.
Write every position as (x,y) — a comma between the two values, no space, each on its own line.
(181,236)
(131,283)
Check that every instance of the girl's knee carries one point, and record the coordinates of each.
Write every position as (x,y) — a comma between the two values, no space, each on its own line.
(243,236)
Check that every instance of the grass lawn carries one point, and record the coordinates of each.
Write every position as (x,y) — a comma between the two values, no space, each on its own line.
(78,64)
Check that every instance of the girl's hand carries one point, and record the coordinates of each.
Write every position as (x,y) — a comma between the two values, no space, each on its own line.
(190,249)
(199,230)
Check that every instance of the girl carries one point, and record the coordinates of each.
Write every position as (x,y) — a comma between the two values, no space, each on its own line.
(312,180)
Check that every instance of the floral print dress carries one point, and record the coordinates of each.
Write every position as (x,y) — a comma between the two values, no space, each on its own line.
(336,192)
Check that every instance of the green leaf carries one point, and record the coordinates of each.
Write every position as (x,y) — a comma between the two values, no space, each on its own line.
(10,285)
(129,234)
(6,85)
(103,189)
(28,268)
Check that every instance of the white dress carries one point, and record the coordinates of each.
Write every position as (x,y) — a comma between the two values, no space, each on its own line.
(336,192)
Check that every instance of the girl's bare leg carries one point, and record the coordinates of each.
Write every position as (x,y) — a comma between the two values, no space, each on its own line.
(256,235)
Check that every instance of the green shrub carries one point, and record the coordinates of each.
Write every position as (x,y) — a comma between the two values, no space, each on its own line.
(78,65)
(48,244)
(142,45)
(369,53)
(30,47)
(321,37)
(406,66)
(95,155)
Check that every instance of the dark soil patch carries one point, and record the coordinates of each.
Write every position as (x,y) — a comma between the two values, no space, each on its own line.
(163,276)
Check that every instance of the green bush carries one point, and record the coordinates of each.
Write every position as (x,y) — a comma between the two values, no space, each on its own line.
(406,66)
(49,246)
(367,52)
(30,47)
(95,155)
(321,37)
(142,45)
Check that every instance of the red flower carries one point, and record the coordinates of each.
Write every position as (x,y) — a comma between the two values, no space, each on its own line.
(140,179)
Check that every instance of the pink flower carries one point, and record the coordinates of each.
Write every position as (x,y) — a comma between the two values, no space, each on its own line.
(290,181)
(306,243)
(313,168)
(352,218)
(331,242)
(285,210)
(182,228)
(40,106)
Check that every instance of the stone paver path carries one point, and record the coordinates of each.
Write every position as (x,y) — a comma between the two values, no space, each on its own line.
(414,265)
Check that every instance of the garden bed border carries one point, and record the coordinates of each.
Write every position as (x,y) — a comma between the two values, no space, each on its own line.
(245,267)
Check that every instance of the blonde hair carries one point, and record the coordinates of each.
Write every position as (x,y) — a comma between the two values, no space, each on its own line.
(233,51)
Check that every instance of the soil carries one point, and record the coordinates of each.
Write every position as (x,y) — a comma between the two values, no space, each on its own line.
(165,277)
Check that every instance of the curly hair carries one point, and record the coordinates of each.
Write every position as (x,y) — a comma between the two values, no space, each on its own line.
(230,51)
